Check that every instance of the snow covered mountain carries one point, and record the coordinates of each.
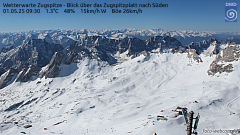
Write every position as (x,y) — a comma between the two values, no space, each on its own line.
(26,60)
(23,62)
(66,37)
(100,85)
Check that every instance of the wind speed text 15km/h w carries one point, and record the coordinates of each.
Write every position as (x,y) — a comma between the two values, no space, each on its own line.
(93,11)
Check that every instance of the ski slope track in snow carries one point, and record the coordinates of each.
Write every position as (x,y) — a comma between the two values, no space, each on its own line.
(96,98)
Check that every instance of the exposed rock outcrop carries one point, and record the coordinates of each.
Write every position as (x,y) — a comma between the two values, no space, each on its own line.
(165,44)
(27,73)
(42,59)
(193,55)
(6,49)
(223,59)
(52,69)
(210,46)
(35,52)
(25,61)
(102,48)
(7,77)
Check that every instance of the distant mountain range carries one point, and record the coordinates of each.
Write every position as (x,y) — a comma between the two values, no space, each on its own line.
(24,54)
(66,37)
(117,81)
(23,62)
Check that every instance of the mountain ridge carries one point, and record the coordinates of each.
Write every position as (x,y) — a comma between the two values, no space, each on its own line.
(66,37)
(28,59)
(100,85)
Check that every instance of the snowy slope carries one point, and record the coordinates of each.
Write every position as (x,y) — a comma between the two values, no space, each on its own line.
(94,98)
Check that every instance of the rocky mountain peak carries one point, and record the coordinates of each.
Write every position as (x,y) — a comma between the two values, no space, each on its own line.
(35,52)
(165,44)
(29,58)
(210,46)
(222,62)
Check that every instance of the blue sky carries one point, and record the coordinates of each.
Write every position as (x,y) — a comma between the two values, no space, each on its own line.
(200,15)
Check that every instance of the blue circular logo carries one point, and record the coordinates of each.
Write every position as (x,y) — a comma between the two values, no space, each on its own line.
(231,15)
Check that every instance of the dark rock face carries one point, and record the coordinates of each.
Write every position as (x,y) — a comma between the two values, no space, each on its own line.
(101,48)
(6,49)
(27,126)
(35,52)
(27,73)
(25,60)
(94,47)
(165,44)
(220,64)
(53,66)
(7,77)
(201,46)
(2,70)
(134,46)
(15,106)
